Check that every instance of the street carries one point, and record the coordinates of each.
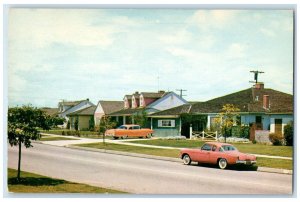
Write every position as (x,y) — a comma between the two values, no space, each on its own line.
(144,176)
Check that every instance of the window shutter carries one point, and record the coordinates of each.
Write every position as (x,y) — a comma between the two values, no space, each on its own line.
(159,123)
(172,123)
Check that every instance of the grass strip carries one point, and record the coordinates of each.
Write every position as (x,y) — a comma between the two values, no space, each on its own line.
(33,183)
(286,151)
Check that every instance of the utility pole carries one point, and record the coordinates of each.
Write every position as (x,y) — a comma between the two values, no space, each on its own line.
(256,75)
(181,90)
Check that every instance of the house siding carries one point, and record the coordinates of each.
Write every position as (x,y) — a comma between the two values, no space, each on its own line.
(166,131)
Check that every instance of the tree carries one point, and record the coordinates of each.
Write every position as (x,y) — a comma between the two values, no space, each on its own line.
(91,124)
(23,124)
(76,123)
(289,134)
(53,121)
(105,124)
(140,118)
(227,118)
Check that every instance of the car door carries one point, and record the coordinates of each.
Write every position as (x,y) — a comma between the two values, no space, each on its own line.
(204,153)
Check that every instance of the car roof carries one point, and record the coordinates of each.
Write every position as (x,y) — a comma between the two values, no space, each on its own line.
(218,144)
(130,125)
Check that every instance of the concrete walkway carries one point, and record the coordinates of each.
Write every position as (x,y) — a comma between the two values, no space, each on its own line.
(80,140)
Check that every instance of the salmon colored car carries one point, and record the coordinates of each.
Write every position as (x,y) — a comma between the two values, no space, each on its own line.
(130,130)
(222,154)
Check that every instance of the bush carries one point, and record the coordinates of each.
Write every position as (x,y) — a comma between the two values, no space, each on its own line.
(254,141)
(276,138)
(68,124)
(77,133)
(289,134)
(63,133)
(68,133)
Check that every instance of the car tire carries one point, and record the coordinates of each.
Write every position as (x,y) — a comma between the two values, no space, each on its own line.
(186,159)
(115,138)
(124,137)
(148,135)
(222,163)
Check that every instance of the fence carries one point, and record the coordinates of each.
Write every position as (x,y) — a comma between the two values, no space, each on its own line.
(203,134)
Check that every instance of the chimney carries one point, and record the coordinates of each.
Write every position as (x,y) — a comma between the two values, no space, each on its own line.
(161,91)
(87,99)
(259,85)
(266,102)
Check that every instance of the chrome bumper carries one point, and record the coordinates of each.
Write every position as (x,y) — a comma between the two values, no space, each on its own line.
(245,162)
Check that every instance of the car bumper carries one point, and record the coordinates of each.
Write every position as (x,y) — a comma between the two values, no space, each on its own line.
(245,162)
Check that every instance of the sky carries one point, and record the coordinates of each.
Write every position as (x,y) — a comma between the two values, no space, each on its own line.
(103,54)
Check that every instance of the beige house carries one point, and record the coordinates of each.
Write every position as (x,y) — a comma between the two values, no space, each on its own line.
(85,118)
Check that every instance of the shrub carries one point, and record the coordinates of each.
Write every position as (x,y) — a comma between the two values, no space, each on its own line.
(254,141)
(77,133)
(68,133)
(63,133)
(289,134)
(276,138)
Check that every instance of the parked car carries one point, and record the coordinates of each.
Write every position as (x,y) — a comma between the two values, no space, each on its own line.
(222,154)
(130,130)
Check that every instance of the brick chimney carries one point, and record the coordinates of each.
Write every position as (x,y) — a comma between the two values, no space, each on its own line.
(259,85)
(266,102)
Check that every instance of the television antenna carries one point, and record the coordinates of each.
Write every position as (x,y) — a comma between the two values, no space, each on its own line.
(255,75)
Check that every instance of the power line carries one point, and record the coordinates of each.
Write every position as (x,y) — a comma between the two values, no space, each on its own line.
(181,90)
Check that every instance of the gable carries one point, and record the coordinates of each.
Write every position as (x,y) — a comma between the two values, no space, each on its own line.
(170,100)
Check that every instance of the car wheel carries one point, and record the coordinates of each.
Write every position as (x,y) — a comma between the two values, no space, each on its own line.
(148,135)
(222,163)
(186,159)
(115,138)
(124,136)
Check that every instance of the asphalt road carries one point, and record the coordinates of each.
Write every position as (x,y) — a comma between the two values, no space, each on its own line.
(144,176)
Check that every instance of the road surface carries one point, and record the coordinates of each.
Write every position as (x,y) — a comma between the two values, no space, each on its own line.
(144,176)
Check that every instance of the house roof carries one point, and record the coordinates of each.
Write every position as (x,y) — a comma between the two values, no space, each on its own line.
(111,106)
(245,100)
(70,103)
(153,94)
(128,97)
(84,112)
(50,111)
(127,112)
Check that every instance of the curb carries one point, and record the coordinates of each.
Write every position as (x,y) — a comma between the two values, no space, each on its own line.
(259,169)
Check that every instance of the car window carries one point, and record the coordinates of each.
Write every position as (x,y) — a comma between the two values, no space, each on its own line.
(206,147)
(214,148)
(130,128)
(136,127)
(228,148)
(122,127)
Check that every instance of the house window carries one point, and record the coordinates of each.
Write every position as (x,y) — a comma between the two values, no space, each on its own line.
(166,123)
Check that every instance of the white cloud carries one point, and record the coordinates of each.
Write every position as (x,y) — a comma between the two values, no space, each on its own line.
(267,32)
(206,19)
(41,27)
(178,38)
(236,50)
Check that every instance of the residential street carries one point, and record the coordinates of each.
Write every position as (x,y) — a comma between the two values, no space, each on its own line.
(144,176)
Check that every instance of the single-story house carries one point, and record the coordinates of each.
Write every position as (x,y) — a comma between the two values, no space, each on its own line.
(268,109)
(84,118)
(106,107)
(68,107)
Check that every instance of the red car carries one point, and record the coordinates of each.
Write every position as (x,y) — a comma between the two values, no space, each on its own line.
(222,154)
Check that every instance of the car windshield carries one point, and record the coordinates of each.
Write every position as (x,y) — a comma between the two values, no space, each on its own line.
(122,127)
(228,148)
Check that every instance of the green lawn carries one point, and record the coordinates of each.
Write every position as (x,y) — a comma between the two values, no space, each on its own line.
(286,151)
(134,149)
(84,134)
(33,183)
(262,162)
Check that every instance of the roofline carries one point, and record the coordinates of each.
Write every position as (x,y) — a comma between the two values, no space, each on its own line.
(164,116)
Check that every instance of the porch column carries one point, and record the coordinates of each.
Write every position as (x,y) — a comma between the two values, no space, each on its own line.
(151,124)
(180,126)
(208,122)
(124,120)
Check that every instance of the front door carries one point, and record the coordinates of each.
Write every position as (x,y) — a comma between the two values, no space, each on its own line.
(258,121)
(278,126)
